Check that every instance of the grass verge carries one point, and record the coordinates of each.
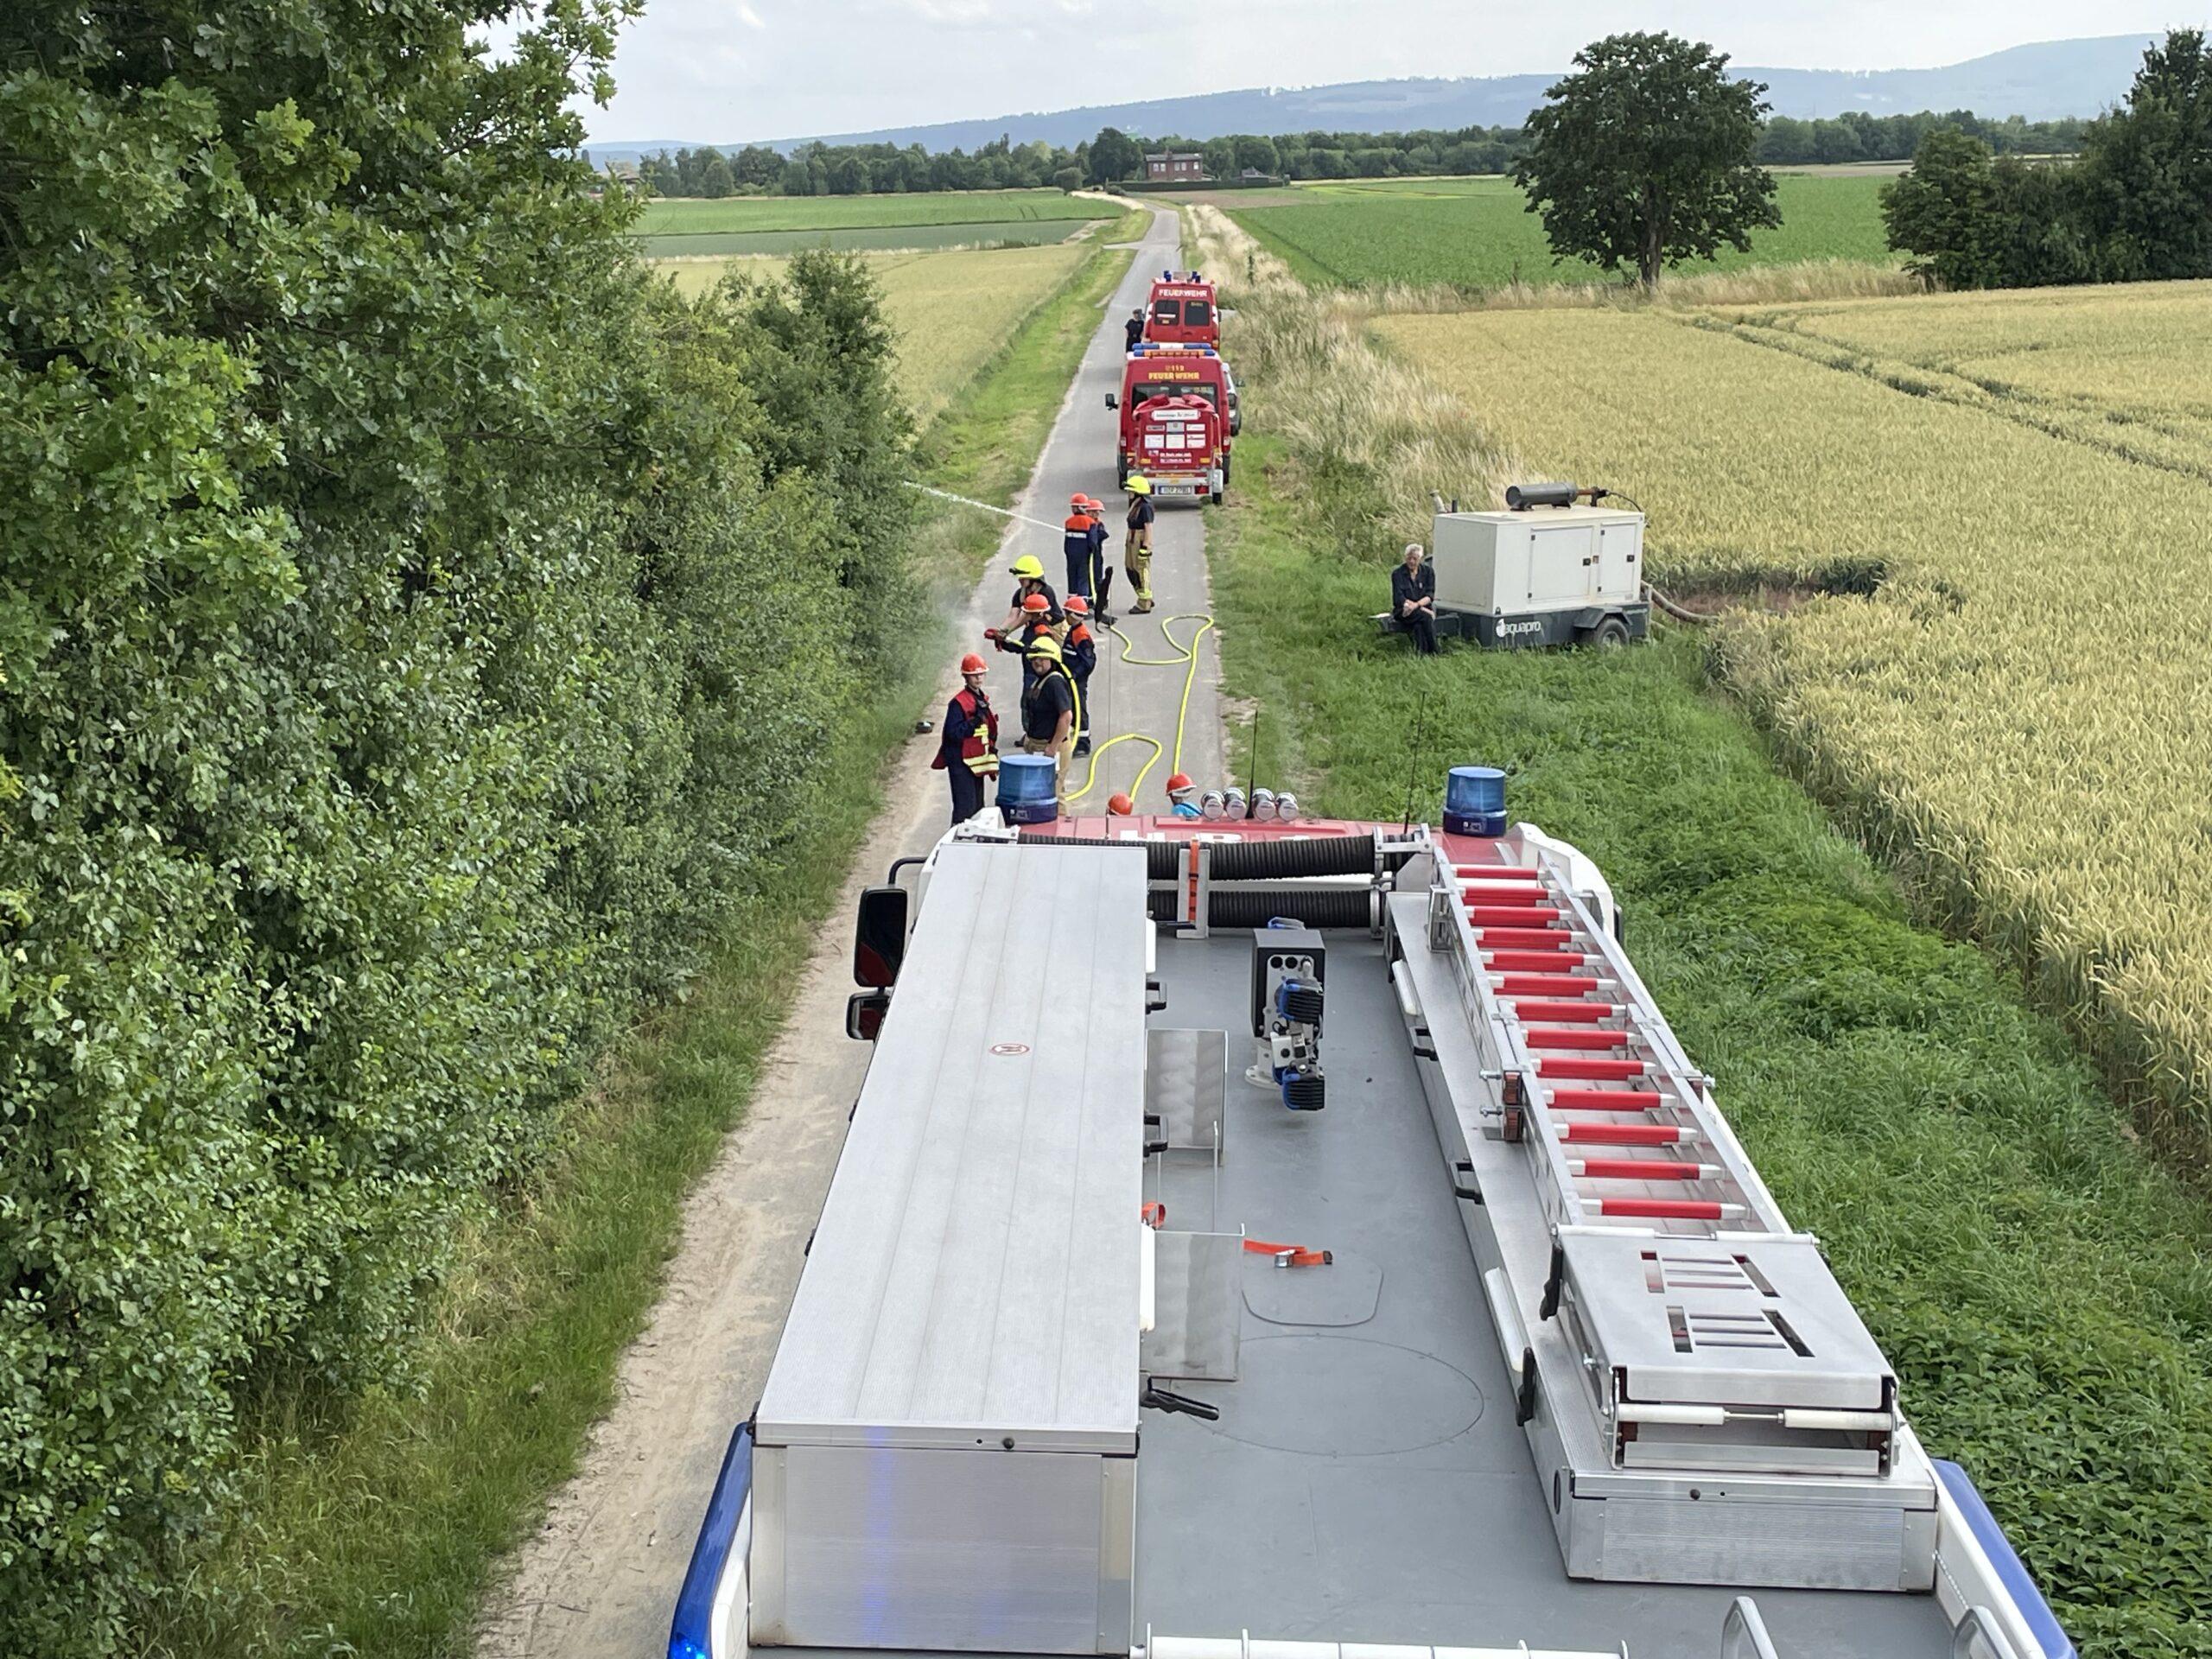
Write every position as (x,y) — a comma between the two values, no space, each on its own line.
(2043,1285)
(373,1525)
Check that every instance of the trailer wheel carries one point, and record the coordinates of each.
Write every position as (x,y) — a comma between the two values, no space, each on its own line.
(1608,635)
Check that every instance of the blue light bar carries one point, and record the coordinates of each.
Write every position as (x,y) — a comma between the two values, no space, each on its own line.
(690,1634)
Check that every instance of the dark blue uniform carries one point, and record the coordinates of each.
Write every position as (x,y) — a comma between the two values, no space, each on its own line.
(1079,651)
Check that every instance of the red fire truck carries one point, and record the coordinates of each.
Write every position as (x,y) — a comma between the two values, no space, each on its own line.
(1175,403)
(1182,311)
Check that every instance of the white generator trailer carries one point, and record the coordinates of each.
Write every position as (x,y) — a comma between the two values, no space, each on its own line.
(1554,568)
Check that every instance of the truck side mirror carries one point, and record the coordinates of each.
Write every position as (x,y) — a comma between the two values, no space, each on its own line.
(864,1012)
(1112,402)
(880,936)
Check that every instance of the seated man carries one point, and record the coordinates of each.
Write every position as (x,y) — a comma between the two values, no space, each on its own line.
(1413,599)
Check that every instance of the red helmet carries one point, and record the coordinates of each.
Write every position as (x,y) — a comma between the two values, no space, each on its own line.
(1077,500)
(1179,781)
(971,663)
(1037,603)
(1094,504)
(1077,604)
(1121,806)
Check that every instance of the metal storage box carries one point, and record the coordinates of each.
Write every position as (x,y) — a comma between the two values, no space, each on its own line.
(1545,558)
(946,1450)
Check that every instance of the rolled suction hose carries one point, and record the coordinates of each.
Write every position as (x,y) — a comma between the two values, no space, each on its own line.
(1324,907)
(1273,860)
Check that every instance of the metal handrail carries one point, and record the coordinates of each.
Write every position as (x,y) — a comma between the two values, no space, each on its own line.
(1981,1622)
(1743,1633)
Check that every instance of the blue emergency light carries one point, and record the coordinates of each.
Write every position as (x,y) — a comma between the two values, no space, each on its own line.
(1474,801)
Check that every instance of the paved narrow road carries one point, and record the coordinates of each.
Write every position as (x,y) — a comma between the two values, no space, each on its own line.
(599,1578)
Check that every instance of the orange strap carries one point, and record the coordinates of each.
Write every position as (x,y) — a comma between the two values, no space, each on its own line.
(1290,1256)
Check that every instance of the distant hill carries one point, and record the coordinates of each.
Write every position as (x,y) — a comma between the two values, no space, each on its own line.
(2040,82)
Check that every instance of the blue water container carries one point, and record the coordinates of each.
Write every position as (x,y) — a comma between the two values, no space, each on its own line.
(1474,801)
(1026,794)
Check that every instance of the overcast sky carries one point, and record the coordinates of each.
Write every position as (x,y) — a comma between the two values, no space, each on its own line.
(717,71)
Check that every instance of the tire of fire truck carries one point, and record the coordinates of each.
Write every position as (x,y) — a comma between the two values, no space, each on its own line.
(1217,498)
(1608,635)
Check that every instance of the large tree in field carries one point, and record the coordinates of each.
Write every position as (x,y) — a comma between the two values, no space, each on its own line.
(1647,155)
(1114,155)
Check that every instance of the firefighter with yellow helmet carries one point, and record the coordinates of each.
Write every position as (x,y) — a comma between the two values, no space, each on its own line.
(1136,551)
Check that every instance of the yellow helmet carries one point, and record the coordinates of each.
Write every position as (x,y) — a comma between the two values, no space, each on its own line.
(1139,487)
(1026,566)
(1043,646)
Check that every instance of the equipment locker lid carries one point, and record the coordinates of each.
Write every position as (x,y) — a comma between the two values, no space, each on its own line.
(975,1274)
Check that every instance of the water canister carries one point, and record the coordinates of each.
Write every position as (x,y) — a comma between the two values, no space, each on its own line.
(1474,801)
(1025,788)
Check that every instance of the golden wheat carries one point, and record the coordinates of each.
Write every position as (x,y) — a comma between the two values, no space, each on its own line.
(2023,709)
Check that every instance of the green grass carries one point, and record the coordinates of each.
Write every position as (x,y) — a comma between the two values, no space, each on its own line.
(1476,234)
(990,232)
(2041,1283)
(373,1525)
(686,216)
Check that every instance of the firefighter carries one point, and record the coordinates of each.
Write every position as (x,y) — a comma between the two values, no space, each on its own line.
(1028,578)
(967,753)
(1036,623)
(1101,568)
(1079,651)
(1136,551)
(1076,543)
(1182,796)
(1134,329)
(1048,709)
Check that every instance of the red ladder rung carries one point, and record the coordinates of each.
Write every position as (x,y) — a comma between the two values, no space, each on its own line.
(1640,1169)
(1512,915)
(1580,1013)
(1555,1037)
(1519,897)
(1669,1208)
(1525,938)
(1496,872)
(1547,984)
(1608,1071)
(1628,1134)
(1535,962)
(1603,1100)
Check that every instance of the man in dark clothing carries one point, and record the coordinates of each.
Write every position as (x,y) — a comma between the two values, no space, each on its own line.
(967,752)
(1101,571)
(1413,599)
(1135,329)
(1076,542)
(1136,550)
(1079,651)
(1048,705)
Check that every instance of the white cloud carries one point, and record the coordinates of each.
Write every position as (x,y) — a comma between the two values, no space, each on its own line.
(749,17)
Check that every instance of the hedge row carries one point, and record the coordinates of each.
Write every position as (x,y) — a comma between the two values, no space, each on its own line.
(416,623)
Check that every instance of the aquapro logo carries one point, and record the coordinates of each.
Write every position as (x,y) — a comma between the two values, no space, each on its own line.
(1505,630)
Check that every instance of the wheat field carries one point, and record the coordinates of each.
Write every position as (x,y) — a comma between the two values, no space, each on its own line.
(2020,712)
(953,310)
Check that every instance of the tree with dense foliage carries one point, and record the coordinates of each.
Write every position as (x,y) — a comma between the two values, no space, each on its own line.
(1114,156)
(1941,211)
(2138,203)
(1646,155)
(419,629)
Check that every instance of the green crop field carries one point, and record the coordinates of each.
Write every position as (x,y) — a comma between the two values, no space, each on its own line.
(859,238)
(691,218)
(1476,233)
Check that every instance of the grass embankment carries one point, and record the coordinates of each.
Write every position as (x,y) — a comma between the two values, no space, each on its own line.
(373,1525)
(768,225)
(2040,1284)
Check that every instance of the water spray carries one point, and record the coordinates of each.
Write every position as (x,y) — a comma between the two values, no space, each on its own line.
(965,501)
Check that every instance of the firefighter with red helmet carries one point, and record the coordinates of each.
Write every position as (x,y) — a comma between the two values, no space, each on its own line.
(967,752)
(1079,651)
(1102,569)
(1077,543)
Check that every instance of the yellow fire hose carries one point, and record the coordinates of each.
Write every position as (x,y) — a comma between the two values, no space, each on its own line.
(1187,654)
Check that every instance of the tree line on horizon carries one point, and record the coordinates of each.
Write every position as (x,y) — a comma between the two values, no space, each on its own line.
(1114,157)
